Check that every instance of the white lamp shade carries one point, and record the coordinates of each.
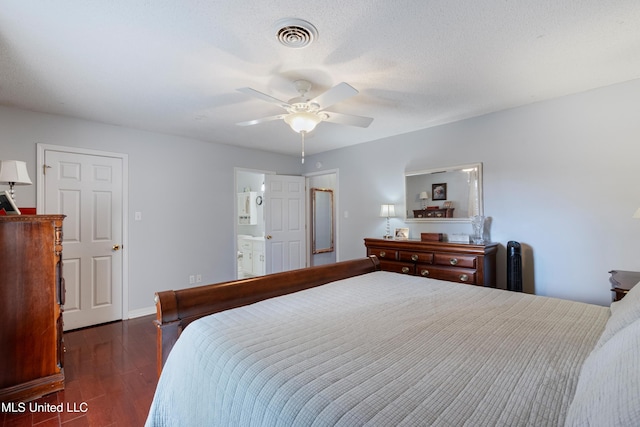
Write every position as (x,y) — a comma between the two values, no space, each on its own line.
(637,214)
(423,195)
(387,210)
(14,171)
(302,121)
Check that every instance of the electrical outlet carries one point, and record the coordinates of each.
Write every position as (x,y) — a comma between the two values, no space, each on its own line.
(199,278)
(192,279)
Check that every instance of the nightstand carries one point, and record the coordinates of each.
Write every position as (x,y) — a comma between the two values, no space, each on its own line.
(622,282)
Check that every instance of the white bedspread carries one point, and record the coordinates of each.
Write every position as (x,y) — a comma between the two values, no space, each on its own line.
(382,349)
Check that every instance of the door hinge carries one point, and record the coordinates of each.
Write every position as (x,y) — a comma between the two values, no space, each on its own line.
(44,169)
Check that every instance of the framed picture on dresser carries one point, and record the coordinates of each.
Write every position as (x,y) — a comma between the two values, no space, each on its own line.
(402,233)
(6,203)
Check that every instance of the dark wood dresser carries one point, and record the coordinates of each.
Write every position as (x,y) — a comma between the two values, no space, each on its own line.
(434,213)
(31,299)
(622,282)
(455,262)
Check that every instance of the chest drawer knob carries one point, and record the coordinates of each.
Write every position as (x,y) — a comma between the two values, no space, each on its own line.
(405,270)
(414,257)
(463,277)
(424,273)
(383,254)
(453,261)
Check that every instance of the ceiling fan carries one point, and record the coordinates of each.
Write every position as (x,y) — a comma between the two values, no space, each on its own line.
(304,114)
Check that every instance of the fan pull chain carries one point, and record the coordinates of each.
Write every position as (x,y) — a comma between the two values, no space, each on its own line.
(302,133)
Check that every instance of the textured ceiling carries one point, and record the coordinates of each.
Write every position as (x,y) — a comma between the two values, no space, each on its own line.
(173,66)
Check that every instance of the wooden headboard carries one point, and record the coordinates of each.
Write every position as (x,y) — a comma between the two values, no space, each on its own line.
(176,309)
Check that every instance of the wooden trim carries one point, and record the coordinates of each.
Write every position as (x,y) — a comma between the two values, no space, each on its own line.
(33,389)
(176,309)
(27,218)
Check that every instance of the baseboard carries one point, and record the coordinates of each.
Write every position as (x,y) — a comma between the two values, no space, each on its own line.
(140,312)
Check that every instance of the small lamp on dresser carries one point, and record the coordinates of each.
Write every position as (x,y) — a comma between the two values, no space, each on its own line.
(424,196)
(388,211)
(14,172)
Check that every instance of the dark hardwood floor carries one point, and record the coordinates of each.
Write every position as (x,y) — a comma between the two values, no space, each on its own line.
(110,378)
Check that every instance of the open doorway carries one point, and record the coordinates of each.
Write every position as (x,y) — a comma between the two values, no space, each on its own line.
(250,224)
(270,223)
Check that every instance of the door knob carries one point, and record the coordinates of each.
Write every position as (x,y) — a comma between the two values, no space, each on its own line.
(268,237)
(116,247)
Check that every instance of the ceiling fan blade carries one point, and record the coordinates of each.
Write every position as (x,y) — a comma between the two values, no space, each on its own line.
(262,120)
(348,119)
(336,94)
(263,96)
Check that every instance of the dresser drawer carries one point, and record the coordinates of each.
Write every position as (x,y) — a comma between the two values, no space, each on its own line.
(423,257)
(455,260)
(461,275)
(382,253)
(398,267)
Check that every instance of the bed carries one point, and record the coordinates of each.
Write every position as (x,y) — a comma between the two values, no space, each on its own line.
(349,345)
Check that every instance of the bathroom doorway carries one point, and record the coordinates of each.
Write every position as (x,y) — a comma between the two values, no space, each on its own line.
(250,253)
(270,223)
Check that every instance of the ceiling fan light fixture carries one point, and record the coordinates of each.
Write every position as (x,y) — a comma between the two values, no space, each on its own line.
(302,121)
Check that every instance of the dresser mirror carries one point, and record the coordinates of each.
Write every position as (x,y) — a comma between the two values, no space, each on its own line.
(322,220)
(451,194)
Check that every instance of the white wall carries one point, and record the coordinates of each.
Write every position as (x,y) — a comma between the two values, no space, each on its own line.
(180,185)
(560,177)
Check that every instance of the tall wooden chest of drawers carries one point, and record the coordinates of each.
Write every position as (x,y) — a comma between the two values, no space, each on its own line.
(31,299)
(455,262)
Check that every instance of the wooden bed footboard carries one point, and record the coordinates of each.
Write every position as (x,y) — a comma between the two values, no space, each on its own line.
(176,309)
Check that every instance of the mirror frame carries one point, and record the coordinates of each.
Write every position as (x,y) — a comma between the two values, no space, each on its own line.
(440,170)
(314,220)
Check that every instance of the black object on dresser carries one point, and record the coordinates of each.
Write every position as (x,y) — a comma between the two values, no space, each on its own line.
(456,262)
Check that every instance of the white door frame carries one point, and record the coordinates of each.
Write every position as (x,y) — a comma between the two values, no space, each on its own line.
(40,197)
(336,207)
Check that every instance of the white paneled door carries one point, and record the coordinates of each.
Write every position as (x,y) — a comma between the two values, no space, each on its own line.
(88,189)
(285,242)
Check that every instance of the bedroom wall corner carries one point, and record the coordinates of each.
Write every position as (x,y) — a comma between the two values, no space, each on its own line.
(187,222)
(560,177)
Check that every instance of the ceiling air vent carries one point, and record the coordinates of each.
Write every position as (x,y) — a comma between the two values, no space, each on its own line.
(295,33)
